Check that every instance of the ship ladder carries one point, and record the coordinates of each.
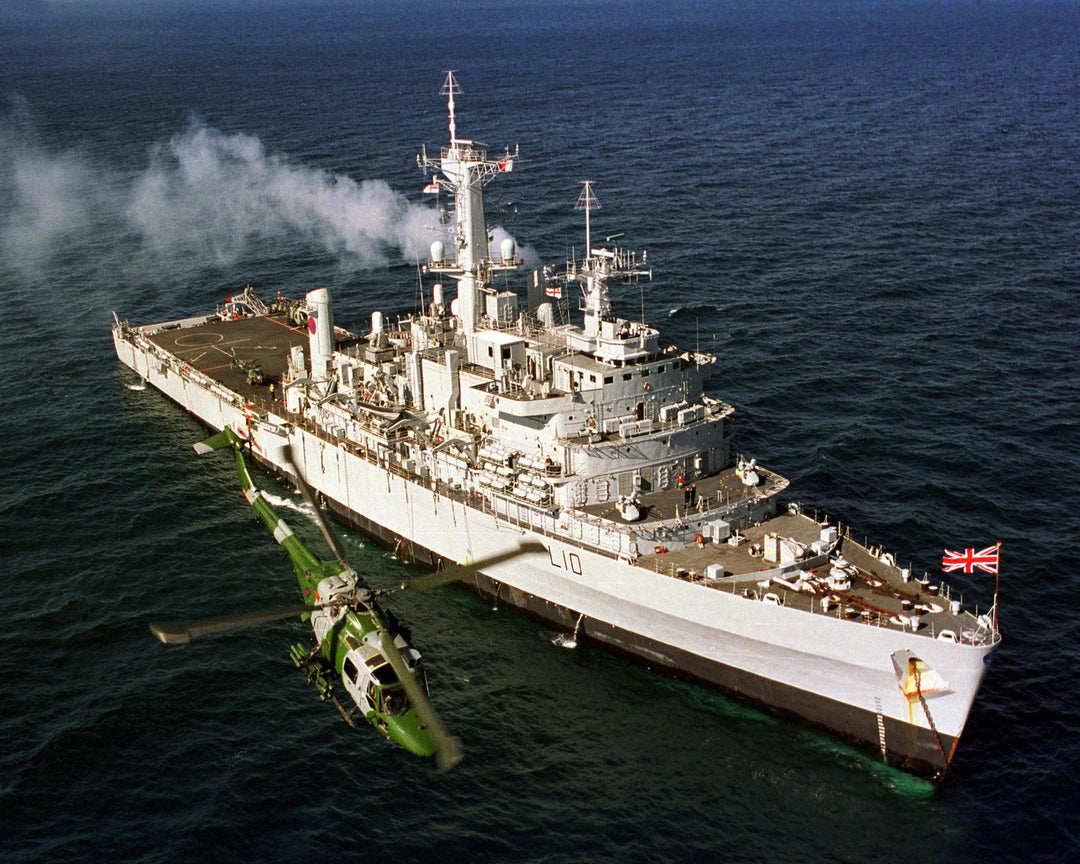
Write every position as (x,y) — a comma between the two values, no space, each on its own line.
(881,728)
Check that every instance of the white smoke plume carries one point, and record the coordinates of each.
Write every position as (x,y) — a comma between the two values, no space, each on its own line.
(204,194)
(214,193)
(44,197)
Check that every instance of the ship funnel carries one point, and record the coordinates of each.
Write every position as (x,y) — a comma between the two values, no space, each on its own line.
(546,316)
(377,338)
(320,333)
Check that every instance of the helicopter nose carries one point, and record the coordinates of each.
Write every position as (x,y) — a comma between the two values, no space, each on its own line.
(408,731)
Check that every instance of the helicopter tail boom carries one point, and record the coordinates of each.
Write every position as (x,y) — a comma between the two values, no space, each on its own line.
(306,565)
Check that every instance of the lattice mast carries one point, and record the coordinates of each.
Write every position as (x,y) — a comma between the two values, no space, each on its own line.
(601,265)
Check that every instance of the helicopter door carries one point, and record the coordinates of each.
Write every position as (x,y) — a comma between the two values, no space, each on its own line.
(350,676)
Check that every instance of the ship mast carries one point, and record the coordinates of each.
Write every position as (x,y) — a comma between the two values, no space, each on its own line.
(600,266)
(587,201)
(464,169)
(450,87)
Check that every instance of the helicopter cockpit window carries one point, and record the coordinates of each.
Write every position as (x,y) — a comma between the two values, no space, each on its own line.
(385,674)
(349,669)
(394,700)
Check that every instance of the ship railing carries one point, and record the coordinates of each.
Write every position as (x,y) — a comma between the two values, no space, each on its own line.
(528,328)
(671,567)
(761,584)
(575,526)
(182,369)
(477,370)
(589,531)
(579,528)
(463,151)
(585,530)
(724,505)
(582,528)
(623,541)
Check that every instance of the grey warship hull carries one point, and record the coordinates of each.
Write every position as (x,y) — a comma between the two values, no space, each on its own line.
(473,425)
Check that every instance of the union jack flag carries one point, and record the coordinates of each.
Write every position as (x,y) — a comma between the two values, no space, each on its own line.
(969,560)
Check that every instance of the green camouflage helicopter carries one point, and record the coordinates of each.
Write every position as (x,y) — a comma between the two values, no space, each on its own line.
(359,647)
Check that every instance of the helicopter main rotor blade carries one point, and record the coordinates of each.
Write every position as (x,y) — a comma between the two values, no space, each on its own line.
(449,753)
(332,539)
(464,571)
(182,632)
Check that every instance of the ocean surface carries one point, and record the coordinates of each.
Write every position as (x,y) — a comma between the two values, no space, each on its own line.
(870,211)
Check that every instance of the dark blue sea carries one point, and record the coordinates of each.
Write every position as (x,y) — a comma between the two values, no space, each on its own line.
(870,211)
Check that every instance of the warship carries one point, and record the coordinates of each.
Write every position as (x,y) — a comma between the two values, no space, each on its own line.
(488,420)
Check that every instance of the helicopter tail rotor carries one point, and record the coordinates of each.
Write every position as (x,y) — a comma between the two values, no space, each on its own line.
(225,438)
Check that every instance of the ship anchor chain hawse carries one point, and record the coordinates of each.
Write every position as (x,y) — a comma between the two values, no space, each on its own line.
(577,461)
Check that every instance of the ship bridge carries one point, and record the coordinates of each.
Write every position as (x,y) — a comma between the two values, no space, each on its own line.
(616,340)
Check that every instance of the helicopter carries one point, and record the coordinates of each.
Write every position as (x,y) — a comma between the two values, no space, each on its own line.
(359,648)
(252,371)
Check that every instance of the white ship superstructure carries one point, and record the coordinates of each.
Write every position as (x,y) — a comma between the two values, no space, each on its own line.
(481,421)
